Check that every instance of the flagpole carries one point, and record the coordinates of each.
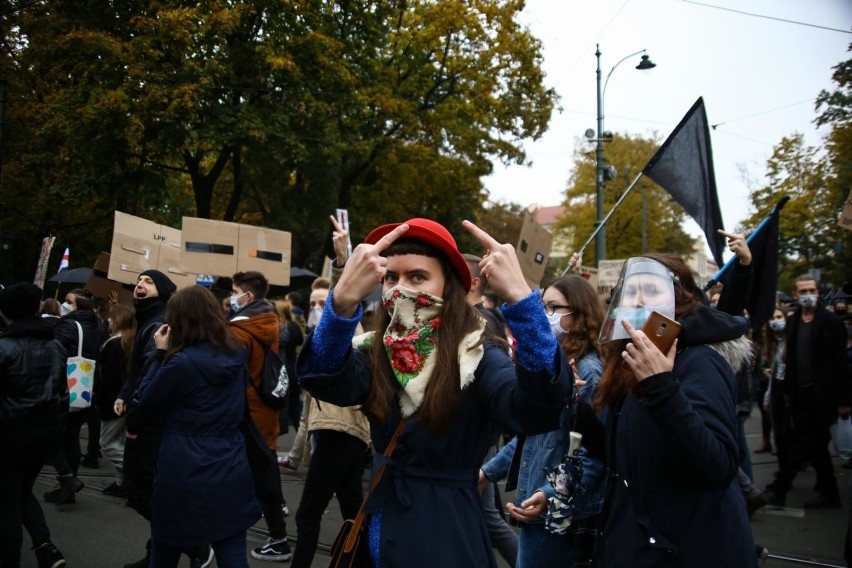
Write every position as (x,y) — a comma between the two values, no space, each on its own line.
(775,210)
(605,219)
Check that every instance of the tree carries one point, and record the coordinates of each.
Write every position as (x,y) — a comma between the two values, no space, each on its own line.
(266,112)
(663,217)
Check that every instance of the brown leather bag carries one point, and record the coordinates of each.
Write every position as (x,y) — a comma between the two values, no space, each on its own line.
(350,548)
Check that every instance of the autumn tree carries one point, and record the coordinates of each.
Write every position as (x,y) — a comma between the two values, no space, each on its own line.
(647,210)
(265,112)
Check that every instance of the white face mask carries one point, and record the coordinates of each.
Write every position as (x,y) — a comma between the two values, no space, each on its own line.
(65,309)
(808,300)
(314,317)
(235,301)
(777,325)
(555,324)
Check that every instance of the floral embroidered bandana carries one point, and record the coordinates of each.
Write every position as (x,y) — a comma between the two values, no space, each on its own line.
(410,340)
(412,334)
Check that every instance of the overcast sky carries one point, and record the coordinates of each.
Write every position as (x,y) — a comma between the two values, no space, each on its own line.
(759,77)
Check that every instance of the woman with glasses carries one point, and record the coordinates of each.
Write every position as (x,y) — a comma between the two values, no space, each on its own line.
(575,315)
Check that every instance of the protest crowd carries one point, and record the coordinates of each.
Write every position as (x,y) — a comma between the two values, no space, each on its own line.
(621,450)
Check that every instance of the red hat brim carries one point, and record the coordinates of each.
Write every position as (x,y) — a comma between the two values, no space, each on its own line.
(436,235)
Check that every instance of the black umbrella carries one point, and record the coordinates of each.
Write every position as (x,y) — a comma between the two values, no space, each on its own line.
(300,277)
(72,275)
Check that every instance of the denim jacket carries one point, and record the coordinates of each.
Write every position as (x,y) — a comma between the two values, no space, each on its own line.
(542,452)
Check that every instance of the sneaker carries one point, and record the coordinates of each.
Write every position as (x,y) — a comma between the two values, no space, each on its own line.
(285,462)
(273,551)
(50,496)
(201,557)
(90,461)
(48,556)
(68,486)
(762,553)
(775,499)
(115,490)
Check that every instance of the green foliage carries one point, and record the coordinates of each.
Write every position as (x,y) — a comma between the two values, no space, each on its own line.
(663,231)
(262,112)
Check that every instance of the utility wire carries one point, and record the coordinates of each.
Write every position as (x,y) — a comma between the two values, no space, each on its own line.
(768,17)
(761,113)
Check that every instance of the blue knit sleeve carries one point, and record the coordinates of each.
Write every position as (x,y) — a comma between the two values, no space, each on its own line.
(331,340)
(536,345)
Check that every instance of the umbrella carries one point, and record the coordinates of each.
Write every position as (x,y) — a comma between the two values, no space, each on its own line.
(74,275)
(300,277)
(565,479)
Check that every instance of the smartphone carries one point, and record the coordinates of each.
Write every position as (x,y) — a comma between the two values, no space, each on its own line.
(661,330)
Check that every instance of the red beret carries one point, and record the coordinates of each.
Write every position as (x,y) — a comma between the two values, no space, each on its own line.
(436,235)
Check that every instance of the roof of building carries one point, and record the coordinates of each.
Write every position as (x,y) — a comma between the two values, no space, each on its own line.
(548,215)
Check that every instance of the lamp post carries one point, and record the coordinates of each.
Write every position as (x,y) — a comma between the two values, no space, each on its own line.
(645,63)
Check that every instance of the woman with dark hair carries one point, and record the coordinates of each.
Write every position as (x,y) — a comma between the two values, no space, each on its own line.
(290,339)
(203,491)
(78,315)
(575,316)
(110,375)
(670,439)
(772,359)
(430,361)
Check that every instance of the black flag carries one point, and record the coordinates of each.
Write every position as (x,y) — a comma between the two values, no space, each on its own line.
(683,166)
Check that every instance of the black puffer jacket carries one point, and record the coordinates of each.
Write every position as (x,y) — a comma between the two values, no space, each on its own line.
(33,387)
(94,333)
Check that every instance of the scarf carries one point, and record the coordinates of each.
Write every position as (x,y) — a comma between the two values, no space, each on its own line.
(411,342)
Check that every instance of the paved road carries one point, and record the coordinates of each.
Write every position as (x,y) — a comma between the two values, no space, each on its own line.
(100,532)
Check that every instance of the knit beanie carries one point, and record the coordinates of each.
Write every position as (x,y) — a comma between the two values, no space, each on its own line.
(165,287)
(20,300)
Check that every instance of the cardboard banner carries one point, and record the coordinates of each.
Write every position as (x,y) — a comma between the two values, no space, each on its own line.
(139,244)
(100,284)
(845,220)
(609,271)
(266,251)
(221,248)
(533,249)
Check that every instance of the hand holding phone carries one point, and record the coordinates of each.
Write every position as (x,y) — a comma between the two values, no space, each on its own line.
(661,331)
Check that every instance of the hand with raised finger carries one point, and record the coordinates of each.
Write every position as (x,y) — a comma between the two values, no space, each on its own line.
(643,357)
(340,241)
(500,266)
(363,271)
(737,245)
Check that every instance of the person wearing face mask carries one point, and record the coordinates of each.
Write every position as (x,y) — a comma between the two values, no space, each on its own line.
(772,359)
(575,316)
(77,308)
(319,292)
(429,361)
(817,389)
(255,324)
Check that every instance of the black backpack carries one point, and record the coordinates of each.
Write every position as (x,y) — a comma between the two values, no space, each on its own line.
(274,381)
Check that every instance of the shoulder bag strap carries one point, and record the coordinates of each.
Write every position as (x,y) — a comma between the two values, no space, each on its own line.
(349,545)
(79,339)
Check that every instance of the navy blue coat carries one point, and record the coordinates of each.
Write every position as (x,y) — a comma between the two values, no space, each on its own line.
(673,457)
(430,509)
(203,489)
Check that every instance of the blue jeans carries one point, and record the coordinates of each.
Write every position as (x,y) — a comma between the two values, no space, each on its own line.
(537,548)
(230,553)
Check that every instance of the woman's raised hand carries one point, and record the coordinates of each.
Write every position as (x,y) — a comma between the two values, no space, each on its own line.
(363,271)
(500,267)
(643,357)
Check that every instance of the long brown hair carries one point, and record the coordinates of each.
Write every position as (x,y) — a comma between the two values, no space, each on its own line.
(194,316)
(442,398)
(123,323)
(587,317)
(618,380)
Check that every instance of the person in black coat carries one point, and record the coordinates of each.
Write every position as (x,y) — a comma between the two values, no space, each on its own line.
(670,438)
(33,401)
(817,390)
(78,308)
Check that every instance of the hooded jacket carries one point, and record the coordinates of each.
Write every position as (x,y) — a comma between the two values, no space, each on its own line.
(94,333)
(256,327)
(672,456)
(203,491)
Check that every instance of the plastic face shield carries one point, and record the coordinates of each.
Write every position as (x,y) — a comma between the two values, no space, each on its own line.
(644,286)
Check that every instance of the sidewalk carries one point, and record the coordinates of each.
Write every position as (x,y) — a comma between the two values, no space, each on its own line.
(101,532)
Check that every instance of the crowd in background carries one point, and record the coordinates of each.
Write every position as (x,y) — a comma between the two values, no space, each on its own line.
(513,374)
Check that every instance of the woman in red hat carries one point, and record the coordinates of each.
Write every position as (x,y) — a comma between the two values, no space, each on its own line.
(429,359)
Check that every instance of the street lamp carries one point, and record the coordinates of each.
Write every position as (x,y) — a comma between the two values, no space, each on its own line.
(645,63)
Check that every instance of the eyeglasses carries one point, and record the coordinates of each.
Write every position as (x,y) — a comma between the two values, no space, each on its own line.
(550,309)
